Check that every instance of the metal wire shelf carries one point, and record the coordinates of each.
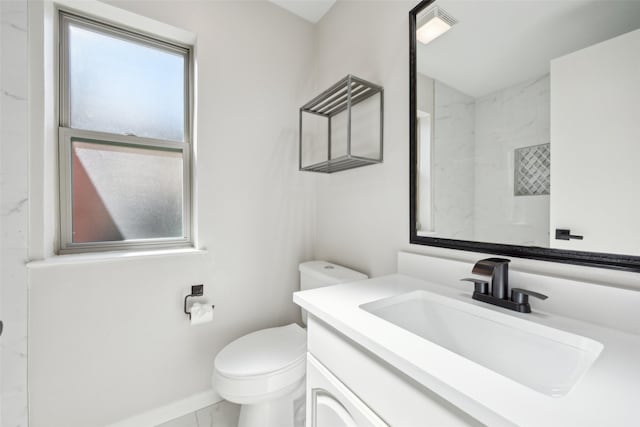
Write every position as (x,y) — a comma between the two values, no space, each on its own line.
(339,164)
(339,98)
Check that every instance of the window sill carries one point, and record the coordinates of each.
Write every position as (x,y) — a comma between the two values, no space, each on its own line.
(112,256)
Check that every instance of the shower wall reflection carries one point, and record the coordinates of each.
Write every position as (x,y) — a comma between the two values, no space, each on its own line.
(469,190)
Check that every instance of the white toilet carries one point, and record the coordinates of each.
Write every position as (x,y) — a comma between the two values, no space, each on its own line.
(264,371)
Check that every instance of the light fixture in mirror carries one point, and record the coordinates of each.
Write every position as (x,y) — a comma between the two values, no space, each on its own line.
(523,123)
(435,22)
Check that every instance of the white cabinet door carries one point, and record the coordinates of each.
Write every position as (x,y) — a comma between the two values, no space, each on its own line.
(595,146)
(328,411)
(331,404)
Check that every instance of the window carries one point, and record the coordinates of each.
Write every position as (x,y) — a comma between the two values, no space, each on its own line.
(124,137)
(424,185)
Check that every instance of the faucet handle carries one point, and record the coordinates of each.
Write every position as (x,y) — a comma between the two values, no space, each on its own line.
(521,296)
(480,286)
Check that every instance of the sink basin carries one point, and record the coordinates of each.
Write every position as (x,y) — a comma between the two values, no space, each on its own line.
(542,358)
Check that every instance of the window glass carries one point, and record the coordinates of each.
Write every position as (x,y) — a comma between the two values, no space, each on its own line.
(122,86)
(123,192)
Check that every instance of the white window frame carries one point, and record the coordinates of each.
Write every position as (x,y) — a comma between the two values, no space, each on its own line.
(66,136)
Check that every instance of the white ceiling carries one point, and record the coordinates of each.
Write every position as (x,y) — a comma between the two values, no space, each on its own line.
(499,43)
(311,10)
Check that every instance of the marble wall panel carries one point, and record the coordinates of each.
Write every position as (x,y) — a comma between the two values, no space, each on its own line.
(13,212)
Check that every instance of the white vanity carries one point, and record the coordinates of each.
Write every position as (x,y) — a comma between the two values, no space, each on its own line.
(413,349)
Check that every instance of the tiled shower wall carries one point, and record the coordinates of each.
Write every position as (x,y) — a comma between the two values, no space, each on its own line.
(453,163)
(13,212)
(510,118)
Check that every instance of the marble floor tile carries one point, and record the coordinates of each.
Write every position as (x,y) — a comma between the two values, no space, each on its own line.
(222,414)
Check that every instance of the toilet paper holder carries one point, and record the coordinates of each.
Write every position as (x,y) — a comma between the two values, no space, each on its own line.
(196,291)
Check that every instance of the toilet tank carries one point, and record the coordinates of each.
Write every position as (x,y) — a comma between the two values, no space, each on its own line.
(317,274)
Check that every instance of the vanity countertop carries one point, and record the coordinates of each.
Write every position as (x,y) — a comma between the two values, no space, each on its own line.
(608,394)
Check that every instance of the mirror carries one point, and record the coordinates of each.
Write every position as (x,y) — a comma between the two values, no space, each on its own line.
(525,128)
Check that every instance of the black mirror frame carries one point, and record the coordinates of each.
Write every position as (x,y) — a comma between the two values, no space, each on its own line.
(591,259)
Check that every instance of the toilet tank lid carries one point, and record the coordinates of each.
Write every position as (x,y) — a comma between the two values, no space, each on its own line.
(329,272)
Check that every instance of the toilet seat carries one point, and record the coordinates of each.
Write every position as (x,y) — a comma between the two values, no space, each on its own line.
(262,365)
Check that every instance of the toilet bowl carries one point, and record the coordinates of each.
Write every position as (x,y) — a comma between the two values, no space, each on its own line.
(264,371)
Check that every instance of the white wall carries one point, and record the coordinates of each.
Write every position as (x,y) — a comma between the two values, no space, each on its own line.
(595,121)
(362,216)
(424,93)
(13,213)
(108,338)
(510,118)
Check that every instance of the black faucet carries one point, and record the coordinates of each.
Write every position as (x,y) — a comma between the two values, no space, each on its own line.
(496,291)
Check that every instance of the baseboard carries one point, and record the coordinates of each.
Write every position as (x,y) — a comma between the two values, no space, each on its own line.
(173,410)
